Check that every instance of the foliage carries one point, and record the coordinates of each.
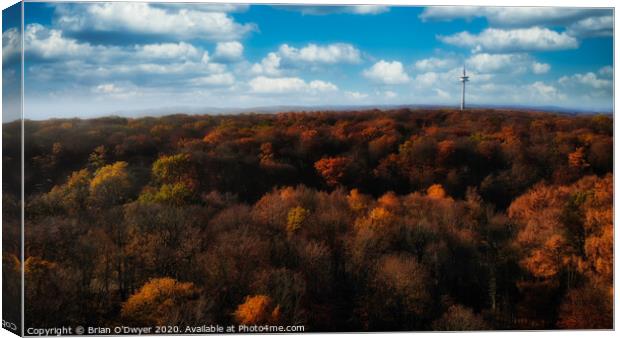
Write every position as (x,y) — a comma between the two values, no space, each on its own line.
(257,310)
(159,302)
(377,220)
(111,184)
(295,219)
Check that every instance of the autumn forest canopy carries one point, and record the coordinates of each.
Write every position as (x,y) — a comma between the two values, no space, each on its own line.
(339,221)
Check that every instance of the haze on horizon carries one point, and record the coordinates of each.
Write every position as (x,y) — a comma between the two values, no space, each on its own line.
(91,59)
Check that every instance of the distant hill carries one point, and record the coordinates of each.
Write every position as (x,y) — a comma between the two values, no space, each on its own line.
(297,108)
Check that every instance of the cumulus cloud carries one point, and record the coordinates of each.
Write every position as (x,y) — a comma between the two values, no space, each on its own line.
(221,79)
(512,40)
(354,9)
(540,68)
(263,85)
(589,79)
(43,42)
(107,88)
(390,94)
(203,7)
(387,72)
(101,68)
(322,86)
(115,91)
(493,63)
(433,63)
(593,26)
(11,44)
(329,54)
(355,95)
(179,51)
(448,81)
(269,65)
(514,16)
(427,79)
(144,18)
(229,50)
(544,92)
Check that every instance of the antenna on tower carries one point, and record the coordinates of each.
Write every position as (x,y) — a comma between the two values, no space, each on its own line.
(464,78)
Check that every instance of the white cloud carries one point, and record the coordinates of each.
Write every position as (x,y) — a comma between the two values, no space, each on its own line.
(356,95)
(203,7)
(593,26)
(50,43)
(179,51)
(229,50)
(386,72)
(441,93)
(269,65)
(11,44)
(513,16)
(432,64)
(111,90)
(390,94)
(540,68)
(330,54)
(322,86)
(326,10)
(144,18)
(427,79)
(492,63)
(516,63)
(205,57)
(543,91)
(368,9)
(512,40)
(46,43)
(107,88)
(589,79)
(221,79)
(281,85)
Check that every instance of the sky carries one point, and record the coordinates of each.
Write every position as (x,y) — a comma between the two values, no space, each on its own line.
(93,59)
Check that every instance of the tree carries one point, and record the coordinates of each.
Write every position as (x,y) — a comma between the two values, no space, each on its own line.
(161,301)
(333,169)
(296,218)
(111,185)
(97,159)
(577,159)
(287,291)
(176,177)
(399,293)
(436,191)
(358,202)
(173,168)
(72,196)
(587,308)
(460,318)
(257,310)
(45,278)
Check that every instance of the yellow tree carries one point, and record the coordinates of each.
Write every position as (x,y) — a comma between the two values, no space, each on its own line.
(110,185)
(296,218)
(161,301)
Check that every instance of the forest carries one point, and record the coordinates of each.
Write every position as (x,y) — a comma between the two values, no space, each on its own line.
(379,220)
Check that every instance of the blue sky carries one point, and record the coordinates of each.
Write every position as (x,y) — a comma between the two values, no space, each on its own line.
(99,58)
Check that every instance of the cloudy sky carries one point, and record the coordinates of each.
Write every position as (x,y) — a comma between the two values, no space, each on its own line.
(98,58)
